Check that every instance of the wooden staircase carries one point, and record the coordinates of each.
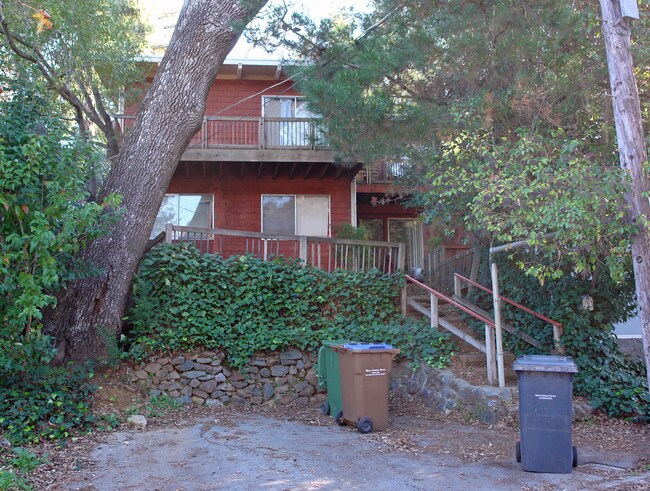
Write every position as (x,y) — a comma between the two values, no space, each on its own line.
(474,351)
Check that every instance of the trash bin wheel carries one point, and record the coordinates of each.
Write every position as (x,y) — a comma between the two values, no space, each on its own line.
(518,451)
(364,425)
(339,418)
(575,457)
(325,408)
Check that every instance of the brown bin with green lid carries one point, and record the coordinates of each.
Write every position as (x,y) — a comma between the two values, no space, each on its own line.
(365,382)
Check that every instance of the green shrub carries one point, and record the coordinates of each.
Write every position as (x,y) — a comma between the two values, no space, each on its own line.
(185,300)
(46,402)
(10,481)
(46,219)
(610,382)
(25,461)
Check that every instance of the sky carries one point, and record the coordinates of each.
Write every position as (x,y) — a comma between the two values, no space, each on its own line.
(162,15)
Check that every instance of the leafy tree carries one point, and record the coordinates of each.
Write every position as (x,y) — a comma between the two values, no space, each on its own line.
(504,111)
(45,219)
(86,51)
(68,50)
(170,114)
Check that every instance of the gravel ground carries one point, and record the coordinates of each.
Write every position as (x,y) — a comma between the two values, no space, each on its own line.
(295,448)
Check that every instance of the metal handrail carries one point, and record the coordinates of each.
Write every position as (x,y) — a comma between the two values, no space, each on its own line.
(450,301)
(511,302)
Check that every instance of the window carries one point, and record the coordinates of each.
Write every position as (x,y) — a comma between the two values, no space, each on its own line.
(286,133)
(191,210)
(296,215)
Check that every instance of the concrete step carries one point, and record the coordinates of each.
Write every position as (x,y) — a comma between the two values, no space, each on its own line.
(478,359)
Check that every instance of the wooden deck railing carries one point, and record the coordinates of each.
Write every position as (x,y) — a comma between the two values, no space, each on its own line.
(249,132)
(383,172)
(439,271)
(322,252)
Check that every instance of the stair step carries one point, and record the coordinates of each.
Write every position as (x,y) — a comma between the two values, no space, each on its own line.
(478,359)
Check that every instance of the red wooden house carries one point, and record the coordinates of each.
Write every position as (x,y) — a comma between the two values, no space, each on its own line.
(259,165)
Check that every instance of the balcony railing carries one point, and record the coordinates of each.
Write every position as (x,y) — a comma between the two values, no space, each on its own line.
(249,132)
(321,252)
(383,172)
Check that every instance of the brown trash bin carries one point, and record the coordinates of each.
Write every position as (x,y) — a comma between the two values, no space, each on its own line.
(365,381)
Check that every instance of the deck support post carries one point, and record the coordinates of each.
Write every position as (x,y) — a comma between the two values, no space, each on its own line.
(490,355)
(497,322)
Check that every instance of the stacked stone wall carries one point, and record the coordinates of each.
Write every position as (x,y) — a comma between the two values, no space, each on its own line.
(206,378)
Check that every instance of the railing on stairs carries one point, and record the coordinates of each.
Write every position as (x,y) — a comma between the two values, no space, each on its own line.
(558,330)
(487,347)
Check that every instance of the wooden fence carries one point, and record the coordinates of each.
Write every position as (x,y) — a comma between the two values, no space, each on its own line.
(321,252)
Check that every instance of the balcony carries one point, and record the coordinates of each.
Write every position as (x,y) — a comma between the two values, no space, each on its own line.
(385,172)
(257,139)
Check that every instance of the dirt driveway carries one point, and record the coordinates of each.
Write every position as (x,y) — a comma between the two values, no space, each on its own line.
(298,449)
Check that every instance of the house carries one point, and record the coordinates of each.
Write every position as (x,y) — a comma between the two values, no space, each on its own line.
(259,165)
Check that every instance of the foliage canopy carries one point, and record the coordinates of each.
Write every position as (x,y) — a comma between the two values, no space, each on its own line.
(501,108)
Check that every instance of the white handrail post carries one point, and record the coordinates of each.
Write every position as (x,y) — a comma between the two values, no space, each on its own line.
(497,322)
(490,355)
(169,233)
(458,291)
(434,311)
(303,249)
(557,335)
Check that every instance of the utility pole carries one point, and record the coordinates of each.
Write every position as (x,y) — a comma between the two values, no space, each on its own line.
(617,16)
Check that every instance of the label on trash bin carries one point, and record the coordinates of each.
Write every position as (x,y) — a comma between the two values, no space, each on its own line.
(375,372)
(545,397)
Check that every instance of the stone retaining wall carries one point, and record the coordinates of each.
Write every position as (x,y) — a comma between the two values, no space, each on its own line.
(289,377)
(441,391)
(204,378)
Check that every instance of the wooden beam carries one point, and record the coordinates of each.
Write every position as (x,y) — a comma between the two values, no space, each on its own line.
(278,71)
(242,170)
(259,170)
(293,170)
(308,171)
(323,172)
(276,170)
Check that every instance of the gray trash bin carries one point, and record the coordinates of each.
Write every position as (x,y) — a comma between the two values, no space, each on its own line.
(545,413)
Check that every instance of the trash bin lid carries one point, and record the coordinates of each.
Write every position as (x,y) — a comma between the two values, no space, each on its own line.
(367,346)
(545,363)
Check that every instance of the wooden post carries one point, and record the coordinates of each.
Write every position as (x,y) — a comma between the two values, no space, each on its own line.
(303,249)
(497,323)
(401,260)
(434,311)
(557,339)
(401,257)
(490,355)
(632,151)
(169,233)
(458,287)
(476,260)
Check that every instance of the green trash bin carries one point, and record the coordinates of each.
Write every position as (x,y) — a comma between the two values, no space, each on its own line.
(329,378)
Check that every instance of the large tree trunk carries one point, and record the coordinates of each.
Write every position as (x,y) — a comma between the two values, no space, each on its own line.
(91,310)
(633,155)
